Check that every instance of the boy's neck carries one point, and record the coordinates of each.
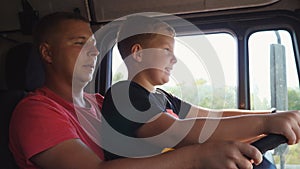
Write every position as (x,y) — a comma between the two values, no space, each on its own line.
(144,83)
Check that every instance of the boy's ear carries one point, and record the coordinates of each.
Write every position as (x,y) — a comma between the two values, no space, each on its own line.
(136,51)
(46,53)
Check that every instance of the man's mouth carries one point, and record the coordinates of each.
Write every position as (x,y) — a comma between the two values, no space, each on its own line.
(90,66)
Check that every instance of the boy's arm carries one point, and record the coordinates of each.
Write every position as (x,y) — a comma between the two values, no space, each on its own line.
(197,111)
(240,128)
(74,154)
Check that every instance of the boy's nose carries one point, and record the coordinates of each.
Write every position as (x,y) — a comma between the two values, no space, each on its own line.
(174,59)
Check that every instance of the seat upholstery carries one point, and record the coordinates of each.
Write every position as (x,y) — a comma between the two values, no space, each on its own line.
(23,68)
(24,73)
(9,99)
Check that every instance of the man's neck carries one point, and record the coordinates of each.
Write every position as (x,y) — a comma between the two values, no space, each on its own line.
(72,94)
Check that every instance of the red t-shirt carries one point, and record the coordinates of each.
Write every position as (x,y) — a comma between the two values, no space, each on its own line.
(43,120)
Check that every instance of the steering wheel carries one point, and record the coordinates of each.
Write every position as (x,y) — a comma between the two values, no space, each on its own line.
(269,142)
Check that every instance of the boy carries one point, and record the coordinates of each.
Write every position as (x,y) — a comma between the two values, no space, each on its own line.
(135,108)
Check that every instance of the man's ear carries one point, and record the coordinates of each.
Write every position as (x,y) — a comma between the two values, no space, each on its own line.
(45,51)
(136,51)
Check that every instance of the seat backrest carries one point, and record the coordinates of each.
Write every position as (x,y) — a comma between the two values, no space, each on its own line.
(24,73)
(23,68)
(9,99)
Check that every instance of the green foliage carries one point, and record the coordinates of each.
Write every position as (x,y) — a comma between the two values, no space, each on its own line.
(259,104)
(292,156)
(117,77)
(203,94)
(294,99)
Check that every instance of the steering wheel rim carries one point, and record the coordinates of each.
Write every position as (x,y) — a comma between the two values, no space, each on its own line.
(269,142)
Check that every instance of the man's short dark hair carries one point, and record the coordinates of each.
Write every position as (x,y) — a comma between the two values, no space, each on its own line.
(49,23)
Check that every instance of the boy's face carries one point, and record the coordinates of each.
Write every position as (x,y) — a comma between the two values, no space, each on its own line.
(158,59)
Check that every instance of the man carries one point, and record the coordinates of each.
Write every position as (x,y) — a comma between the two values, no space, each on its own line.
(46,132)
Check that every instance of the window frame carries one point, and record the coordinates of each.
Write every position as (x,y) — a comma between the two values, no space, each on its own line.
(240,26)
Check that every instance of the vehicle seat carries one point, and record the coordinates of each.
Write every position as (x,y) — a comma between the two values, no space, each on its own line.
(9,99)
(23,68)
(23,74)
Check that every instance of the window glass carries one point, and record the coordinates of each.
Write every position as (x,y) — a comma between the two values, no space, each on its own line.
(274,83)
(262,46)
(194,79)
(119,70)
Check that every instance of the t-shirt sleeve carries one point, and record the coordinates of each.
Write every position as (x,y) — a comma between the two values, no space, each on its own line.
(38,125)
(179,107)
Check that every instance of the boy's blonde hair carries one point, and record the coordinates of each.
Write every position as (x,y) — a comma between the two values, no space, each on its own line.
(140,29)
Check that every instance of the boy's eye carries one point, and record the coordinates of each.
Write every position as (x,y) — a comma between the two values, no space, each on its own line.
(168,52)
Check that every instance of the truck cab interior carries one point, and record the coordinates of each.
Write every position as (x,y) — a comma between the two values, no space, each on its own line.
(237,30)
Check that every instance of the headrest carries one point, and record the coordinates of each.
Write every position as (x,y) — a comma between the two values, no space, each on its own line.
(23,68)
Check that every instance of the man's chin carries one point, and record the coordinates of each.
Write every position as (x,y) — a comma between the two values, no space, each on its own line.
(83,81)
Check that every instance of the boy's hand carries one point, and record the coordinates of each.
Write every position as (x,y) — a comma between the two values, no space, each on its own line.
(284,123)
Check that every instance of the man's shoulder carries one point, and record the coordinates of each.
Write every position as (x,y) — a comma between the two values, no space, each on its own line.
(40,100)
(34,96)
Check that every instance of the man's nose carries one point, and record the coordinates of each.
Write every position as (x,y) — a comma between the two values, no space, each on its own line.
(93,51)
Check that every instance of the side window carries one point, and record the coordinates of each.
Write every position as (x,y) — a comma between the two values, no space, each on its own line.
(119,70)
(274,82)
(190,79)
(273,76)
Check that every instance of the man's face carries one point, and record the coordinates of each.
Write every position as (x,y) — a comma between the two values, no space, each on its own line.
(73,51)
(158,59)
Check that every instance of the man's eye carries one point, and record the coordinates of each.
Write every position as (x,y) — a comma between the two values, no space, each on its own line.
(79,43)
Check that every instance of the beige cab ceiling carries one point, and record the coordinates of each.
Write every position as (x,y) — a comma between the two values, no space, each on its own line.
(108,10)
(105,10)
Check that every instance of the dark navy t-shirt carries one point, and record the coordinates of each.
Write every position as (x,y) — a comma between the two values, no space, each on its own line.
(127,106)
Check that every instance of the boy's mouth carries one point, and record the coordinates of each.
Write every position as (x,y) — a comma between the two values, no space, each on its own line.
(168,70)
